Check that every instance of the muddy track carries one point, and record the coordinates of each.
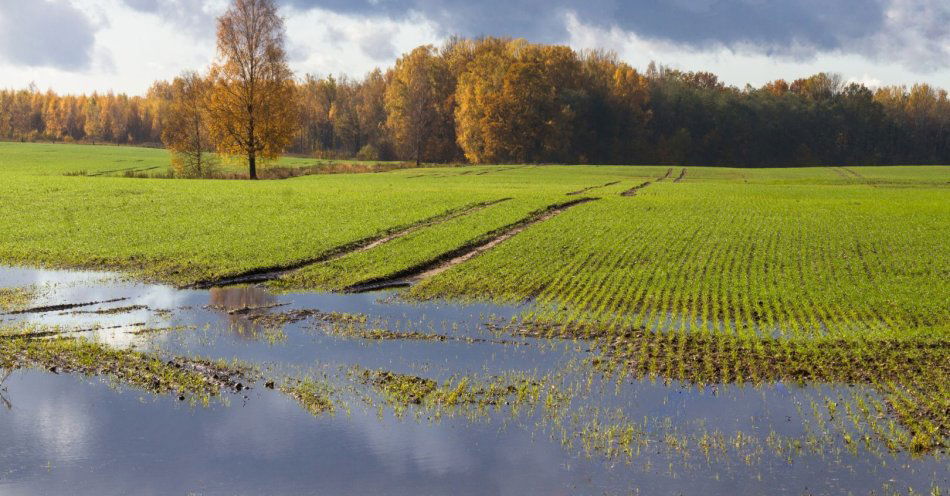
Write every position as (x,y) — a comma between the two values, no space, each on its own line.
(633,191)
(468,172)
(584,190)
(61,332)
(840,172)
(681,176)
(411,275)
(848,173)
(273,272)
(62,306)
(854,174)
(128,169)
(502,169)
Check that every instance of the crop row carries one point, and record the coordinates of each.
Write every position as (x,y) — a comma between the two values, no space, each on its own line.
(744,259)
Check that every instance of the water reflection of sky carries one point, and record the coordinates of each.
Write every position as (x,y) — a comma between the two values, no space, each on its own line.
(68,435)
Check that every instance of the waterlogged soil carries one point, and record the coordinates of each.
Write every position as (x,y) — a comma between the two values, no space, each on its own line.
(366,394)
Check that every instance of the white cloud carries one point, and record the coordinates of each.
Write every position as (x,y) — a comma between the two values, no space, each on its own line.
(742,65)
(132,43)
(323,42)
(135,46)
(45,33)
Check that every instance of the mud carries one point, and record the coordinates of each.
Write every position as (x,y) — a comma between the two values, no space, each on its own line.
(633,191)
(681,176)
(62,306)
(111,311)
(589,188)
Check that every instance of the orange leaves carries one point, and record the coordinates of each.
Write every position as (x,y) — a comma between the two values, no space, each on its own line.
(251,103)
(419,106)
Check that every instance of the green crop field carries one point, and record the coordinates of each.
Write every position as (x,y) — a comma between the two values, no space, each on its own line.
(808,251)
(703,275)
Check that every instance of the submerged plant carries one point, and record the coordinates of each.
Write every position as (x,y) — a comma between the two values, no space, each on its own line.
(315,396)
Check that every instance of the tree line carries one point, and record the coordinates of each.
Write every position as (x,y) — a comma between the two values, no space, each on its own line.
(489,100)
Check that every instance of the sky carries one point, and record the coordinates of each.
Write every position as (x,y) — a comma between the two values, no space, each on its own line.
(74,46)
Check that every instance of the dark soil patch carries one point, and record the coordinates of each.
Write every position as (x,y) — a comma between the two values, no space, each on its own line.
(63,306)
(633,191)
(584,190)
(111,311)
(50,332)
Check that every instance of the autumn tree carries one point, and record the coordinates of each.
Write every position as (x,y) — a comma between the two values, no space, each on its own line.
(419,106)
(347,130)
(610,111)
(251,108)
(92,127)
(514,104)
(186,129)
(315,99)
(504,100)
(371,111)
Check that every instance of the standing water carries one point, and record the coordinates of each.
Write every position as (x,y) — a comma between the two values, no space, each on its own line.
(577,433)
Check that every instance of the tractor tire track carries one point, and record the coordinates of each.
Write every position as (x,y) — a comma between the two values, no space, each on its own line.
(424,270)
(63,306)
(264,274)
(584,190)
(850,174)
(129,169)
(633,191)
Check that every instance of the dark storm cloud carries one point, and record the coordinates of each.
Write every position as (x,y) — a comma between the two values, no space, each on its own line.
(911,32)
(189,14)
(45,33)
(772,25)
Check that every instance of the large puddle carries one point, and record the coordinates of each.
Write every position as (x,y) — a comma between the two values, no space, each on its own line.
(64,433)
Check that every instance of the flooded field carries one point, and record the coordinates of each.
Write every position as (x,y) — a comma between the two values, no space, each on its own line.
(368,394)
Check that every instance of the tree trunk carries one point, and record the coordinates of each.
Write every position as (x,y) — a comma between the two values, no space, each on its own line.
(252,161)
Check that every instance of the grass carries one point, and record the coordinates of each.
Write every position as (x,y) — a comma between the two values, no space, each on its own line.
(910,373)
(458,395)
(792,252)
(17,298)
(314,396)
(727,257)
(729,275)
(188,231)
(414,249)
(199,379)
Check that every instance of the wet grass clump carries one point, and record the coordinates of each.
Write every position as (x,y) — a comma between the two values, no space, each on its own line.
(454,395)
(13,299)
(911,373)
(362,331)
(199,378)
(313,395)
(112,311)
